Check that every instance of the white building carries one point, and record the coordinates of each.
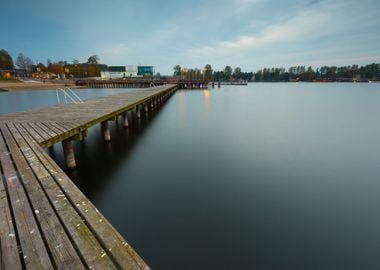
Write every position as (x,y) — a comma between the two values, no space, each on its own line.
(119,72)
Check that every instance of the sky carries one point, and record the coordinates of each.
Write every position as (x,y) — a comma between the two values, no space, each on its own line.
(251,34)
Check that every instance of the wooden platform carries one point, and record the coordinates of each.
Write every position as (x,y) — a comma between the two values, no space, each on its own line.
(46,222)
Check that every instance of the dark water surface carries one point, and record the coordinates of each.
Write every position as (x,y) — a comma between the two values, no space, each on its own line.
(267,176)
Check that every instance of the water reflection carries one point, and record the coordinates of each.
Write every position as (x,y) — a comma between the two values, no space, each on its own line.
(206,94)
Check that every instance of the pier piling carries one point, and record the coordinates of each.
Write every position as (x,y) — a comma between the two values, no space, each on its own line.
(68,150)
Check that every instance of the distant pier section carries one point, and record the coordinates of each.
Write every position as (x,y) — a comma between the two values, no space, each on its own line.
(145,83)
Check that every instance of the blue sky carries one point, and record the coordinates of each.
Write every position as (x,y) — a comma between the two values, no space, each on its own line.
(250,34)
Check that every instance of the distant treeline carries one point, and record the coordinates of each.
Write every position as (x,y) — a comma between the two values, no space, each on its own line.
(91,68)
(297,73)
(325,73)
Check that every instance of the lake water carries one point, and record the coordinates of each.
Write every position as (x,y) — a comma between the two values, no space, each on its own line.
(264,176)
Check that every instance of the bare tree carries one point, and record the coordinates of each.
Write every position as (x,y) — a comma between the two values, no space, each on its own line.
(23,62)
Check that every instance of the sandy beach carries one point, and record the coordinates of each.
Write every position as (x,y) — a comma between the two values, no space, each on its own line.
(34,85)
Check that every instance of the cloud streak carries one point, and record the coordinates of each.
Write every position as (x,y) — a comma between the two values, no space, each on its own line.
(304,25)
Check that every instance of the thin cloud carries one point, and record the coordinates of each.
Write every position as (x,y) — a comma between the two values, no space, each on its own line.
(113,53)
(302,26)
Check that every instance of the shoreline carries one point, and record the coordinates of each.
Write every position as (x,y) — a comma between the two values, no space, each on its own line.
(30,86)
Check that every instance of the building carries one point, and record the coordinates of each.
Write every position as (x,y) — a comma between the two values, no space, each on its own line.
(113,72)
(13,73)
(129,71)
(145,70)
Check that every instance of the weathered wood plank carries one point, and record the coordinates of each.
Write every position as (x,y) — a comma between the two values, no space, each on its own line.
(40,131)
(114,243)
(88,246)
(33,248)
(9,255)
(54,127)
(31,130)
(48,130)
(58,243)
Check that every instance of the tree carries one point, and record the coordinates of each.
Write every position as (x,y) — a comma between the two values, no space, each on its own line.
(219,76)
(93,60)
(228,72)
(208,72)
(23,62)
(6,61)
(309,74)
(177,70)
(237,73)
(75,61)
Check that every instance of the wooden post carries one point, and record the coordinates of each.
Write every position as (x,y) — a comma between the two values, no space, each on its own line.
(68,150)
(106,131)
(125,119)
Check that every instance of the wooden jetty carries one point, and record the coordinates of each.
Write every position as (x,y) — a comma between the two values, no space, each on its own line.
(130,83)
(144,83)
(46,222)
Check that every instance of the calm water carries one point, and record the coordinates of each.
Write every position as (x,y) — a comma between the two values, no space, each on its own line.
(268,176)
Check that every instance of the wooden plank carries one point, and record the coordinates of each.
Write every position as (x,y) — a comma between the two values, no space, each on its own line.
(90,249)
(58,243)
(114,243)
(56,127)
(40,131)
(33,248)
(65,126)
(34,133)
(9,255)
(47,129)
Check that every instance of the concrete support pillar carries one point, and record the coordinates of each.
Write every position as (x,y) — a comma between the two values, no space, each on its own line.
(125,119)
(68,150)
(138,114)
(155,101)
(151,104)
(106,131)
(146,107)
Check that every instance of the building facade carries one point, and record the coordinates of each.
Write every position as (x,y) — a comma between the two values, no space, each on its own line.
(129,71)
(145,70)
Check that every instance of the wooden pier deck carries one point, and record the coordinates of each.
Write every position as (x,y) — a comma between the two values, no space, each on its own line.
(46,222)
